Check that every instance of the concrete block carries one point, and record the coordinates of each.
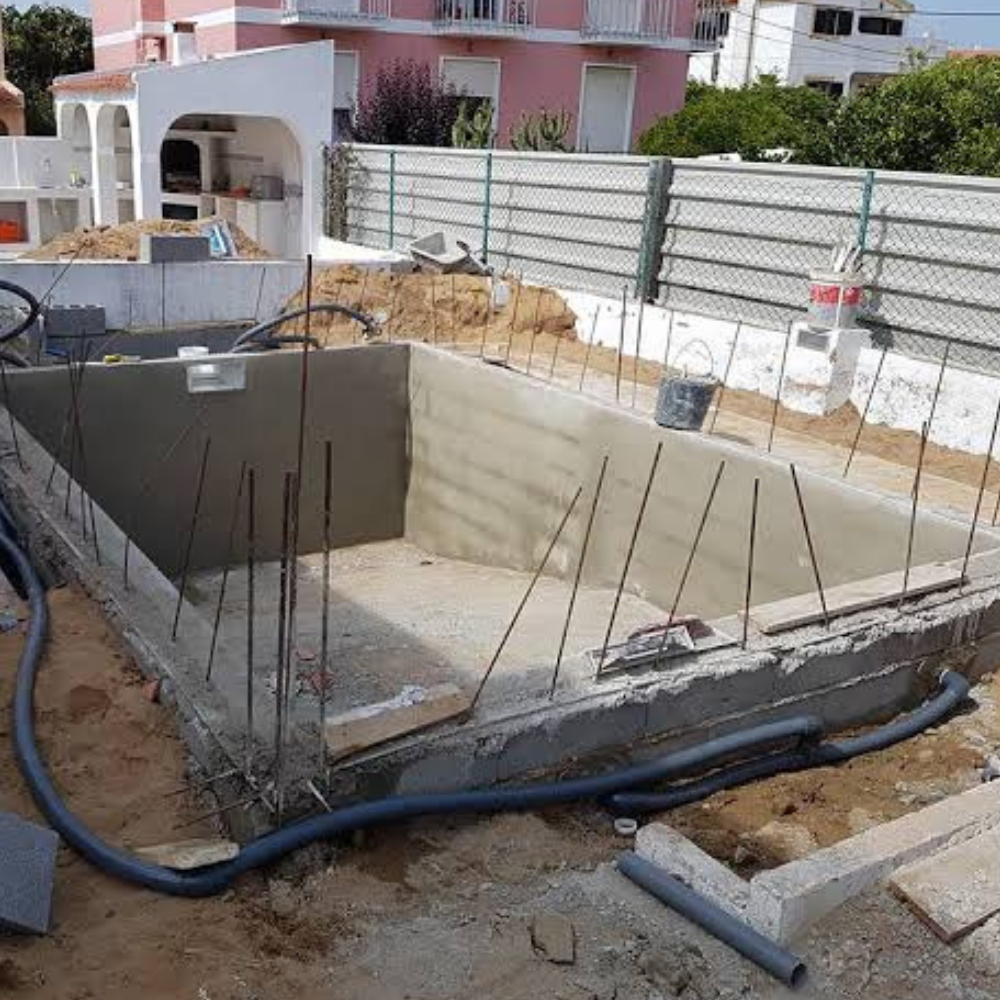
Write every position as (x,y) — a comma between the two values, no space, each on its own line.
(74,328)
(788,900)
(159,249)
(27,875)
(665,847)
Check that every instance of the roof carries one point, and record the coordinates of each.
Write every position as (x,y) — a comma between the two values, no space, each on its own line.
(113,82)
(973,53)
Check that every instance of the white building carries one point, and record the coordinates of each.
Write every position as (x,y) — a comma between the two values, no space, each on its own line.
(836,47)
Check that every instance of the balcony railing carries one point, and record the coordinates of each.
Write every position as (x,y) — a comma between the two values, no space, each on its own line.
(630,21)
(484,17)
(711,24)
(337,13)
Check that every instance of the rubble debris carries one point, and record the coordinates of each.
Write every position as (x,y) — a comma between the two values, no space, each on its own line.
(554,938)
(123,242)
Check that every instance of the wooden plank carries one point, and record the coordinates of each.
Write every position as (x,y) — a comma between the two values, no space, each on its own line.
(411,711)
(849,598)
(190,855)
(956,891)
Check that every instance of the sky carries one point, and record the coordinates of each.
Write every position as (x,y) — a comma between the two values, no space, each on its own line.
(962,32)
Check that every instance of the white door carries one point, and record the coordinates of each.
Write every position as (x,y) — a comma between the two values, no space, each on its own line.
(606,109)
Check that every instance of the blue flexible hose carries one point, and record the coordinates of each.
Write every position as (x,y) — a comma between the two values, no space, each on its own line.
(274,846)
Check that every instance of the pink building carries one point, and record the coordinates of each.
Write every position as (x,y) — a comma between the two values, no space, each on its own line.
(615,65)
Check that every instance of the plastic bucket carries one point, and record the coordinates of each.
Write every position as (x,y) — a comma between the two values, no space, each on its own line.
(683,403)
(835,299)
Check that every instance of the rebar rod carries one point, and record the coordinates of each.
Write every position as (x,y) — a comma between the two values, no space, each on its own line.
(590,347)
(864,413)
(621,347)
(777,394)
(535,329)
(911,533)
(390,321)
(488,291)
(800,500)
(979,496)
(226,567)
(434,317)
(248,751)
(725,377)
(630,555)
(748,598)
(524,600)
(669,344)
(578,577)
(189,547)
(324,650)
(514,317)
(638,351)
(280,677)
(692,554)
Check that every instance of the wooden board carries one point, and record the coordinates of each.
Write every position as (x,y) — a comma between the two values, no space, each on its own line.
(411,711)
(190,855)
(851,597)
(956,891)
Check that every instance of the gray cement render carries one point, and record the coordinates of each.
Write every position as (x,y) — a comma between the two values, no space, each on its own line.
(863,669)
(27,875)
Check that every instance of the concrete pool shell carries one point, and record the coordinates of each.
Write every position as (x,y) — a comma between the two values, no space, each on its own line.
(450,477)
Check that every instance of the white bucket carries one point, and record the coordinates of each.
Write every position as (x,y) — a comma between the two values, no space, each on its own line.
(835,299)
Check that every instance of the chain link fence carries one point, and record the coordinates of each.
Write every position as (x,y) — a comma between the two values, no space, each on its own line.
(727,240)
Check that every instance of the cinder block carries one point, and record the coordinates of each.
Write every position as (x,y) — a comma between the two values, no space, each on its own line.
(160,249)
(27,875)
(75,322)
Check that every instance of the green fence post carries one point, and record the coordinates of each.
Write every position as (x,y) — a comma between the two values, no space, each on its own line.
(654,226)
(487,204)
(392,198)
(864,221)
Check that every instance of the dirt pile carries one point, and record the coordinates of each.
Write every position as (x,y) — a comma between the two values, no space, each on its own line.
(438,308)
(122,242)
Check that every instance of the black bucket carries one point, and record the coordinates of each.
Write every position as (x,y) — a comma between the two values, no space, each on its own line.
(683,402)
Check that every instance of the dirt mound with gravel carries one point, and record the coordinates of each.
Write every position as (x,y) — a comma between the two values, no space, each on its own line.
(122,242)
(438,308)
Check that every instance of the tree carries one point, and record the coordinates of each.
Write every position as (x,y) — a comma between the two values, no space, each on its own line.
(747,120)
(943,118)
(407,105)
(42,43)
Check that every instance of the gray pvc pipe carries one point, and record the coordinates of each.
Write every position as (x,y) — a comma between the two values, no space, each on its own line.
(730,930)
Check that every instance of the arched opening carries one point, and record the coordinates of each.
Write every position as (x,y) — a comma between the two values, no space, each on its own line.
(74,127)
(114,146)
(244,169)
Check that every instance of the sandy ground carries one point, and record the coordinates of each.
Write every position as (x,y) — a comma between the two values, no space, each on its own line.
(433,911)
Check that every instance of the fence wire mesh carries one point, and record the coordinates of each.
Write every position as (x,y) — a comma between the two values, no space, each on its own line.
(725,240)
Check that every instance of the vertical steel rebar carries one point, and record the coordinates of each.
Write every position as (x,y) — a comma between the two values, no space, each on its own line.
(514,317)
(809,544)
(260,294)
(230,543)
(251,616)
(630,555)
(748,598)
(454,319)
(578,576)
(189,547)
(669,344)
(638,350)
(981,494)
(324,653)
(590,348)
(486,317)
(434,311)
(692,554)
(725,377)
(393,302)
(527,596)
(864,413)
(777,394)
(621,347)
(911,534)
(535,329)
(280,675)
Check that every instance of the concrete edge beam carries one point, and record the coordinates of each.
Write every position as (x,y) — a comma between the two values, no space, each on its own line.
(786,901)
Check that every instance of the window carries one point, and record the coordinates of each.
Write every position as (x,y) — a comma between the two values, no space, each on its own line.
(831,21)
(880,26)
(831,87)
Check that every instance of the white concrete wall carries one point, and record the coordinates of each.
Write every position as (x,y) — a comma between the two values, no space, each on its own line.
(143,295)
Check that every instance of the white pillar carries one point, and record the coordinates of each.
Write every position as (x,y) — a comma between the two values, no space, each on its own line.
(103,164)
(147,140)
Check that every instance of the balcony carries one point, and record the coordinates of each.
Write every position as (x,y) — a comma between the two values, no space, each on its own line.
(629,22)
(484,18)
(711,24)
(336,13)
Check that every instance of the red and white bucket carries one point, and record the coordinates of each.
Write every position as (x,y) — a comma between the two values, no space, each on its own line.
(835,299)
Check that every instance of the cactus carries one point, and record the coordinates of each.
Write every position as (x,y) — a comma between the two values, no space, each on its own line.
(475,132)
(543,131)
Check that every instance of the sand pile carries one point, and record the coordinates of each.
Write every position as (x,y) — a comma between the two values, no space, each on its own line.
(440,308)
(122,242)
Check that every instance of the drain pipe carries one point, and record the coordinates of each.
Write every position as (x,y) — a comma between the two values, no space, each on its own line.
(740,936)
(369,324)
(953,689)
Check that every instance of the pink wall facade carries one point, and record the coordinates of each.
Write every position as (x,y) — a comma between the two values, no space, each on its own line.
(534,73)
